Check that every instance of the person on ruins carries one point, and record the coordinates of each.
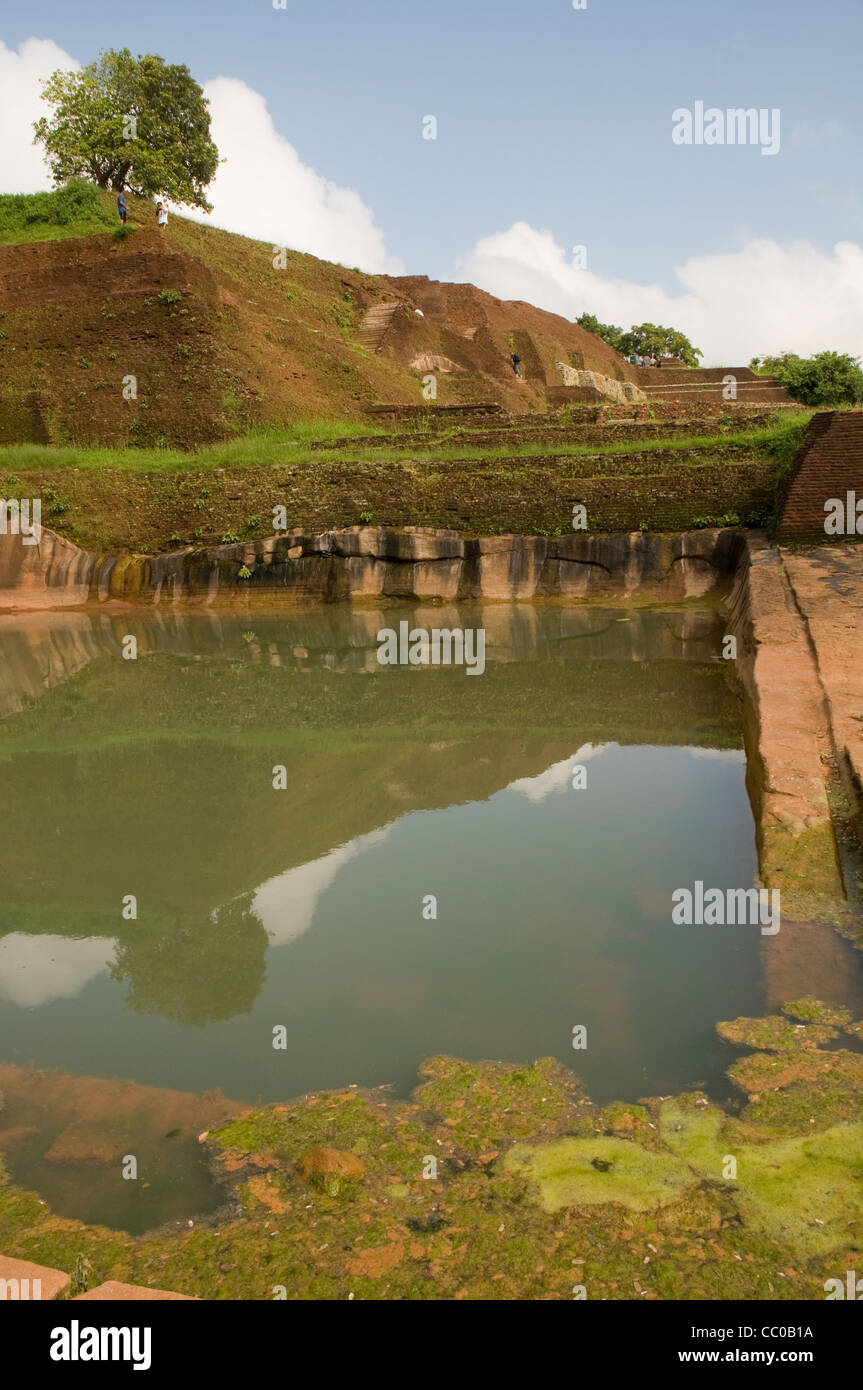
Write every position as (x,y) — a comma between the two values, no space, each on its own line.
(121,207)
(516,362)
(162,216)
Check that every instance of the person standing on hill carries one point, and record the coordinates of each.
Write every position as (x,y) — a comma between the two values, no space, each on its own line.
(516,362)
(162,216)
(121,207)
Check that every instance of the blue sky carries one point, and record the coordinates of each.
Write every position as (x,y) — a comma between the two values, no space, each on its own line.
(555,118)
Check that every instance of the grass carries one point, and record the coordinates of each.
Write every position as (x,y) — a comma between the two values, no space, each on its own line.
(272,447)
(77,209)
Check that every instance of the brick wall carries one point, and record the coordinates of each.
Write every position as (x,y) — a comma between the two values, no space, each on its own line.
(829,463)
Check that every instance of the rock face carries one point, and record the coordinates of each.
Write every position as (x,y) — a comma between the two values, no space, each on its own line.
(369,563)
(600,384)
(790,739)
(53,574)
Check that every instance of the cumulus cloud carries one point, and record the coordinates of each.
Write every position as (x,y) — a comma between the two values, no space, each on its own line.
(766,297)
(22,168)
(263,189)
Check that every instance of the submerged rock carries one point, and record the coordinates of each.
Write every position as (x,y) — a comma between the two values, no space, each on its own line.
(337,1163)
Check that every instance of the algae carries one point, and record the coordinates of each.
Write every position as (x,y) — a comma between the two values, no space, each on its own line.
(504,1182)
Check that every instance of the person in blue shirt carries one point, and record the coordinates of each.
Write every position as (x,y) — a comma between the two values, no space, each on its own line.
(121,207)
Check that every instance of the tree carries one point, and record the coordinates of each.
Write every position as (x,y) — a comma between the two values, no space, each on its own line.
(130,123)
(652,340)
(826,378)
(608,332)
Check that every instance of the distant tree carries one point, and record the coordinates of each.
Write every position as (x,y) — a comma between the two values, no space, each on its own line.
(652,340)
(826,378)
(130,123)
(608,332)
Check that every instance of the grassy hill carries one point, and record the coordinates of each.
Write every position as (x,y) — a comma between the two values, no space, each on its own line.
(160,389)
(219,339)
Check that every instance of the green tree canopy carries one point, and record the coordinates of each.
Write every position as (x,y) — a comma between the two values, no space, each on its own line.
(826,378)
(608,332)
(643,340)
(652,340)
(130,123)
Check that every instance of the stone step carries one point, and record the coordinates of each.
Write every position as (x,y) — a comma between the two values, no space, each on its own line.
(375,324)
(112,1291)
(21,1281)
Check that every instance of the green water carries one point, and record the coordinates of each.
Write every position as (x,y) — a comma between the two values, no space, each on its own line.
(304,907)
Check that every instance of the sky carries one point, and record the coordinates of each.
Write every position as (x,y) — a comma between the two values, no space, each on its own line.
(554,131)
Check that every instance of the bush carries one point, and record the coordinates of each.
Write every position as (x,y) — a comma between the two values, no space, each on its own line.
(76,209)
(825,379)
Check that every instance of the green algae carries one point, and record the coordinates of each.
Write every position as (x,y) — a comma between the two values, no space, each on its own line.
(584,1172)
(536,1193)
(803,1191)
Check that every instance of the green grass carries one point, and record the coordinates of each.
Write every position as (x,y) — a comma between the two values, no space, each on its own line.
(77,209)
(272,447)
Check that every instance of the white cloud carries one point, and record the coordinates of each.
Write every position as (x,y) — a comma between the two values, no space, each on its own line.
(765,298)
(38,969)
(262,190)
(22,168)
(556,778)
(286,904)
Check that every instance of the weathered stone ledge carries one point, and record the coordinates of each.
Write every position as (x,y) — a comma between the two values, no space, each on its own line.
(791,735)
(369,562)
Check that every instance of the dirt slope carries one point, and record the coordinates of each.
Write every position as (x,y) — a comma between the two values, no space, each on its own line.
(218,339)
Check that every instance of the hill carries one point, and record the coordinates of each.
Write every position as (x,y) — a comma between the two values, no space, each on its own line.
(218,340)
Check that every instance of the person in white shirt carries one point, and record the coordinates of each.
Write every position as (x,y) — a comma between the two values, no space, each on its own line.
(162,216)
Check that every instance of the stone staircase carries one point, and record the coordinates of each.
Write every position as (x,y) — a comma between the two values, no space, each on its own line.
(708,383)
(375,324)
(828,464)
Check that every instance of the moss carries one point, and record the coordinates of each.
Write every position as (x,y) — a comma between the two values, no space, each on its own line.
(486,1103)
(641,1213)
(769,1071)
(774,1034)
(811,1010)
(347,1120)
(625,1119)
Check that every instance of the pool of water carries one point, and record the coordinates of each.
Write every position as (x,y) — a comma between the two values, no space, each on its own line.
(428,879)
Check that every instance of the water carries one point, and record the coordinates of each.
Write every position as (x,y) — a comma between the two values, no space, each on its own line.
(303,907)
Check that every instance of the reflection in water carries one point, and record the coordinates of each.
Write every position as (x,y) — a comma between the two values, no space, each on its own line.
(36,969)
(303,907)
